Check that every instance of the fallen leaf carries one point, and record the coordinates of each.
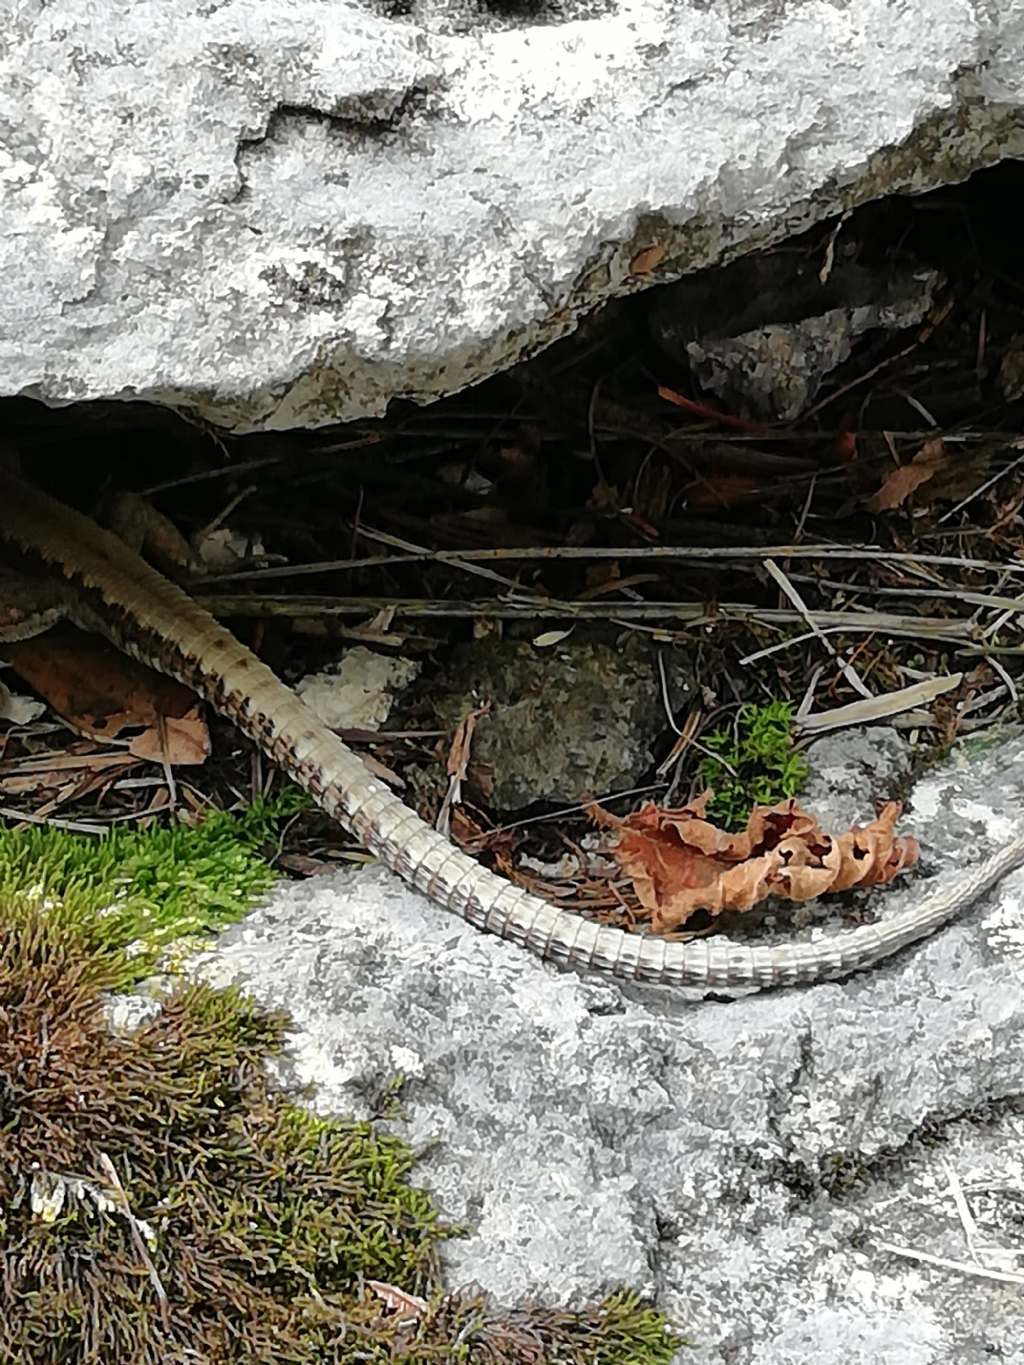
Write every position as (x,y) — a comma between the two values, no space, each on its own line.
(721,491)
(176,740)
(615,584)
(707,413)
(870,710)
(646,259)
(679,862)
(844,448)
(462,741)
(549,638)
(100,692)
(904,480)
(458,764)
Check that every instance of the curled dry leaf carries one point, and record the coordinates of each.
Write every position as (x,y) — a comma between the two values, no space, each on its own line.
(679,862)
(458,764)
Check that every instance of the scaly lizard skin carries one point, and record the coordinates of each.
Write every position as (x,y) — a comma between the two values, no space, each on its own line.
(95,580)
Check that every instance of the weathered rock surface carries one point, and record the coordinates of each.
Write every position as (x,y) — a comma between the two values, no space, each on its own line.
(280,215)
(747,1162)
(562,721)
(852,771)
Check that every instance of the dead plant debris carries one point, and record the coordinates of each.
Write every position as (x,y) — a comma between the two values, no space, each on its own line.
(99,692)
(905,479)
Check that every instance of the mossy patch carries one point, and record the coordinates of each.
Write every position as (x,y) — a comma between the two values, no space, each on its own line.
(144,889)
(160,1201)
(257,1219)
(752,763)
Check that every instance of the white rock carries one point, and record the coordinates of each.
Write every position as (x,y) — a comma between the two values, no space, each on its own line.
(358,693)
(285,214)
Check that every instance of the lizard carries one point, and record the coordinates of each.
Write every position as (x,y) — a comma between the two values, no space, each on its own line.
(88,575)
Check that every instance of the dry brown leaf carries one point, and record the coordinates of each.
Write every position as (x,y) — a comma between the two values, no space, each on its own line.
(903,481)
(462,742)
(468,832)
(679,862)
(646,259)
(721,491)
(844,448)
(99,692)
(458,764)
(708,413)
(175,739)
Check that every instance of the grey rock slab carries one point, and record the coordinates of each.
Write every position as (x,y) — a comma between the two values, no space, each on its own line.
(276,214)
(750,1163)
(851,771)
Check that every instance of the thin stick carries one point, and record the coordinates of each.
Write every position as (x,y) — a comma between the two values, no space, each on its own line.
(983,488)
(805,511)
(967,1219)
(696,613)
(983,600)
(929,327)
(1011,686)
(578,808)
(944,1263)
(848,671)
(137,1237)
(456,561)
(713,553)
(24,817)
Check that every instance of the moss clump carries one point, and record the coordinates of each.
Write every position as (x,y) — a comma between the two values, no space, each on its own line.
(145,888)
(256,1217)
(752,763)
(161,1202)
(619,1331)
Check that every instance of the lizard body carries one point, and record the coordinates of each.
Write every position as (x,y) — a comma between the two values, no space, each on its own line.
(96,581)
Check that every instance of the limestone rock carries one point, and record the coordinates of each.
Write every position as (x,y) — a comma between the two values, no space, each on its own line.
(752,1164)
(281,213)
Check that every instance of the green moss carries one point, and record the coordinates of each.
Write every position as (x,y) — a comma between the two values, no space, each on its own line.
(255,1212)
(752,763)
(146,888)
(245,1229)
